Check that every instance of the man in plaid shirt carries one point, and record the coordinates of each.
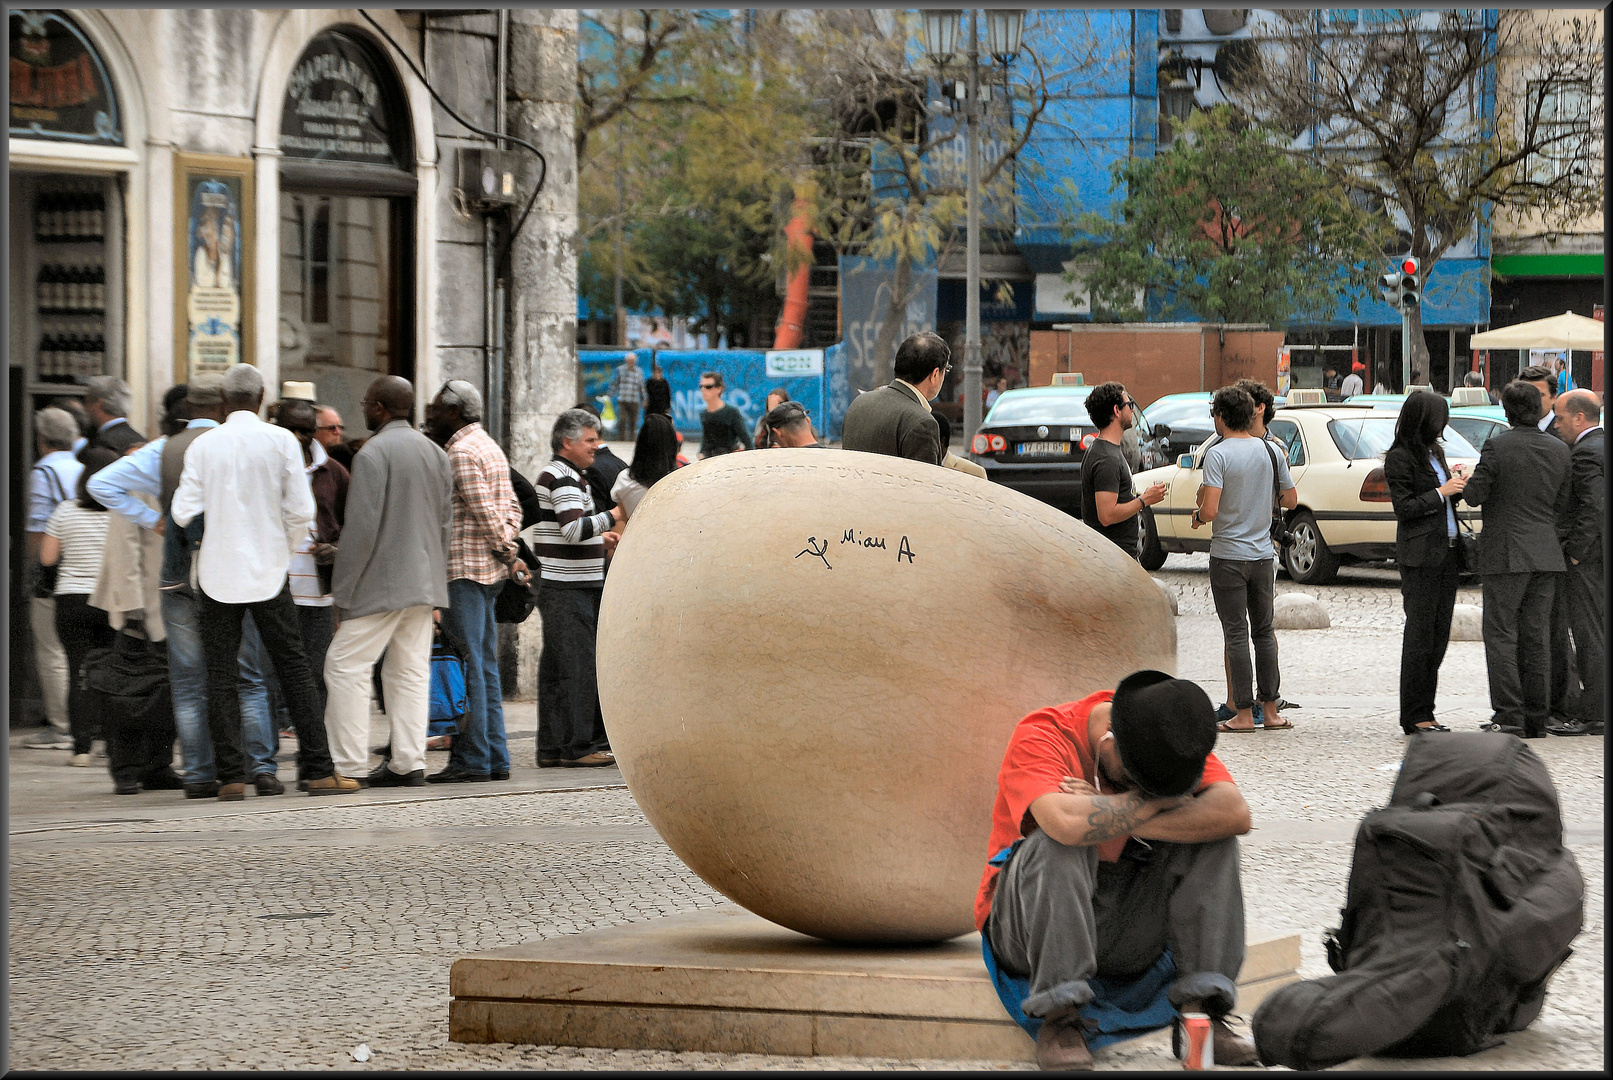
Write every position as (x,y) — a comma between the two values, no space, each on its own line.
(627,389)
(481,554)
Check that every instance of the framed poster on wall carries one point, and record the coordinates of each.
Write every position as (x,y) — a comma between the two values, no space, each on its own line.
(213,237)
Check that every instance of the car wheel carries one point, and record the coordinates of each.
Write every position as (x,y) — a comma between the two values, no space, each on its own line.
(1308,559)
(1153,553)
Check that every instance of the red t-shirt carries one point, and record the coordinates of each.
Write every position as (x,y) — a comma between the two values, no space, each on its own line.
(1047,746)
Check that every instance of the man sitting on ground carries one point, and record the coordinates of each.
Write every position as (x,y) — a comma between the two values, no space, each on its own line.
(1120,828)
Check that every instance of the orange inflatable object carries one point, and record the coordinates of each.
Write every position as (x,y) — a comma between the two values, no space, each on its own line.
(792,323)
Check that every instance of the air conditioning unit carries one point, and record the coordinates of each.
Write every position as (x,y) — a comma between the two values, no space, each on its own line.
(487,177)
(1069,378)
(1309,395)
(1470,395)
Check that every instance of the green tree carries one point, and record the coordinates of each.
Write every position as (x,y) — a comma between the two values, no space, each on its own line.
(1231,226)
(1396,102)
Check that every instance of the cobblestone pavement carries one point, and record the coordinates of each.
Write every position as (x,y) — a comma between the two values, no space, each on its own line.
(154,933)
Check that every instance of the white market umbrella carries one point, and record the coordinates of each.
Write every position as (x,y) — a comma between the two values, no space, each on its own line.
(1565,331)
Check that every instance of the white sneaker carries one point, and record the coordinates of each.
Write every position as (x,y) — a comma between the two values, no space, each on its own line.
(79,761)
(48,740)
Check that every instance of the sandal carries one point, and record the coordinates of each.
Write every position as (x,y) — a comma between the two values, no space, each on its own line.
(1284,726)
(1227,728)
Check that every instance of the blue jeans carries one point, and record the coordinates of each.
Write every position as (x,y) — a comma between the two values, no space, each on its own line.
(480,746)
(187,676)
(260,729)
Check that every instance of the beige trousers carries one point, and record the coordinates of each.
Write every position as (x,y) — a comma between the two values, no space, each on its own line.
(405,637)
(51,660)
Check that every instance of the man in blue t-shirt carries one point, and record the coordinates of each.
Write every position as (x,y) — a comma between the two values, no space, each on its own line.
(1237,496)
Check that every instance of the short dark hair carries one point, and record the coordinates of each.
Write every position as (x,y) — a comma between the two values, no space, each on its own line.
(94,458)
(787,415)
(1262,397)
(1537,373)
(657,397)
(921,354)
(587,406)
(1105,400)
(1234,406)
(1521,401)
(298,413)
(714,376)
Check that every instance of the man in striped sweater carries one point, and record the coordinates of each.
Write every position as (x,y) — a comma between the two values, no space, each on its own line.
(572,540)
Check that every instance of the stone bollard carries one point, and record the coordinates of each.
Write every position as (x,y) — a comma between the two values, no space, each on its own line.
(1467,623)
(1170,596)
(1299,611)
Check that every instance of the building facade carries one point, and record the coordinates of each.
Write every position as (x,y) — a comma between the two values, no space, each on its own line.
(195,188)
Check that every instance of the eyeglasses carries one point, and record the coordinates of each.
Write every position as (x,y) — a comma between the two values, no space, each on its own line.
(708,386)
(329,427)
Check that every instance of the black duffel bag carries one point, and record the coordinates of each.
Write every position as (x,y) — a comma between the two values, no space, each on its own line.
(1462,903)
(127,687)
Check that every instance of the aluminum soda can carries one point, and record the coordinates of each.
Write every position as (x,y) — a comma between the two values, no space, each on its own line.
(1198,1048)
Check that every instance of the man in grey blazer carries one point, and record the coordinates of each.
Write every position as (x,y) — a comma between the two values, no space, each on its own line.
(1522,482)
(391,571)
(896,420)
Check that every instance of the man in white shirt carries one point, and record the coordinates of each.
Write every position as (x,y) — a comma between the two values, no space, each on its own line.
(248,478)
(1354,383)
(54,479)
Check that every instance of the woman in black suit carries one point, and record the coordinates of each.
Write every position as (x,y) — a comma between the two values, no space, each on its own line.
(1421,486)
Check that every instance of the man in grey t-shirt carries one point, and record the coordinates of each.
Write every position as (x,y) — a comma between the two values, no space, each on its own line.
(1237,496)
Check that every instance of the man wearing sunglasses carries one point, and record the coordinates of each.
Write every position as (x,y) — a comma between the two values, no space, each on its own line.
(722,427)
(896,420)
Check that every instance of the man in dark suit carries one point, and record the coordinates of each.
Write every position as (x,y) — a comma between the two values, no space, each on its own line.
(1579,423)
(896,420)
(106,401)
(1522,481)
(1564,679)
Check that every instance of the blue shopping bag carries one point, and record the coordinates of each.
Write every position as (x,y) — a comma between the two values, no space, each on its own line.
(447,692)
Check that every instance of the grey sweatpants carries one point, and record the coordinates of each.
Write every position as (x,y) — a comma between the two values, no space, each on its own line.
(1060,917)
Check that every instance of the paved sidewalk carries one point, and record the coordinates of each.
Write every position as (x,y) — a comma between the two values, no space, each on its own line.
(151,932)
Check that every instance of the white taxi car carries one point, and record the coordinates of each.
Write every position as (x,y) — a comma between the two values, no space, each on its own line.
(1335,456)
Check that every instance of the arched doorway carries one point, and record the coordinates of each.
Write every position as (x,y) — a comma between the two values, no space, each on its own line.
(346,222)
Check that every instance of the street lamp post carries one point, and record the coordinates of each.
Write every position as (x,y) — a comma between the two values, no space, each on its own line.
(1004,28)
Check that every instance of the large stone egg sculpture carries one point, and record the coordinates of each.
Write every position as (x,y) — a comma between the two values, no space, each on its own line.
(811,661)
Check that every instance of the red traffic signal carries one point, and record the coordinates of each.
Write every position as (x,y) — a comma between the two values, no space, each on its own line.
(1409,265)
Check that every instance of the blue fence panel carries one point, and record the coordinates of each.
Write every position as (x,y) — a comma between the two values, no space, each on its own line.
(745,380)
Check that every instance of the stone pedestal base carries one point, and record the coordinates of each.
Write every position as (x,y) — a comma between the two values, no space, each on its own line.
(726,981)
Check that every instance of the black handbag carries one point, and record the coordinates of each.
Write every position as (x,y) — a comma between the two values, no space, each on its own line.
(1468,540)
(1279,526)
(516,601)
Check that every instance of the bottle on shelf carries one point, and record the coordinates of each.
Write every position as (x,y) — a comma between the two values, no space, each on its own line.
(98,286)
(98,216)
(47,357)
(42,287)
(97,355)
(41,216)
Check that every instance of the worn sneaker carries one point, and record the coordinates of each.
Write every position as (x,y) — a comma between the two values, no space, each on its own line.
(1061,1044)
(50,739)
(79,761)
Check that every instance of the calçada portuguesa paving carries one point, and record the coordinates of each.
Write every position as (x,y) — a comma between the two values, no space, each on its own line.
(151,932)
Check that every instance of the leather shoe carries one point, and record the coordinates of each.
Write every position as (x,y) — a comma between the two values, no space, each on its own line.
(590,761)
(122,788)
(453,774)
(334,784)
(231,792)
(1061,1044)
(268,784)
(207,789)
(166,780)
(1436,726)
(385,777)
(498,774)
(1230,1048)
(549,763)
(1505,729)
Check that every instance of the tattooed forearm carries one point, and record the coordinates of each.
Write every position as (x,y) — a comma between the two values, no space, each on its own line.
(1112,816)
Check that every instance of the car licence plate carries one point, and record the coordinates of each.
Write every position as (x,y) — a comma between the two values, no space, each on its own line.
(1044,449)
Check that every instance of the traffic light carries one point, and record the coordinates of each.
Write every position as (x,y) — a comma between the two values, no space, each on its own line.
(1410,282)
(1389,288)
